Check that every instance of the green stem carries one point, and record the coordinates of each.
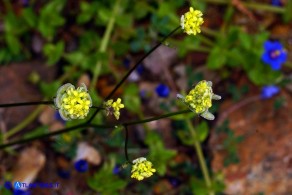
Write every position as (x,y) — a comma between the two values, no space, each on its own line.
(199,151)
(57,132)
(23,123)
(210,32)
(156,118)
(26,104)
(252,5)
(104,42)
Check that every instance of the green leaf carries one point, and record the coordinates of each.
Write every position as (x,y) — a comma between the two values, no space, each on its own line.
(202,130)
(131,98)
(159,155)
(185,137)
(87,11)
(198,186)
(125,21)
(50,89)
(76,57)
(36,132)
(217,58)
(30,17)
(13,43)
(105,182)
(235,57)
(262,74)
(288,14)
(53,52)
(245,40)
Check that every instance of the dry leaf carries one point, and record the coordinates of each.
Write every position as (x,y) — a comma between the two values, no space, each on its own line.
(30,162)
(88,153)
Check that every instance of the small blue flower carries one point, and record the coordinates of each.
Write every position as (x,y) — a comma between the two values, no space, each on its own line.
(65,174)
(8,185)
(116,169)
(81,166)
(174,181)
(277,3)
(140,69)
(274,54)
(127,63)
(21,192)
(162,90)
(269,91)
(58,117)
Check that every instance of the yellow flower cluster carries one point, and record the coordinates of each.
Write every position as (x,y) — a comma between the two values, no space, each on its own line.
(191,21)
(114,107)
(142,168)
(73,103)
(199,99)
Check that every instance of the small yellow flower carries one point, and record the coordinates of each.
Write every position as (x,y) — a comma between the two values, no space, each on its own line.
(114,107)
(142,168)
(199,99)
(73,103)
(191,21)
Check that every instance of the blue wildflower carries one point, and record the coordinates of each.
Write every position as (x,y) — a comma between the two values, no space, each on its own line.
(81,166)
(116,169)
(140,69)
(21,192)
(162,90)
(8,185)
(269,91)
(276,2)
(174,181)
(65,174)
(274,54)
(58,117)
(126,62)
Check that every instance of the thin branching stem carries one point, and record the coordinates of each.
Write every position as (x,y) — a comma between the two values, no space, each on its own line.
(132,69)
(84,125)
(26,104)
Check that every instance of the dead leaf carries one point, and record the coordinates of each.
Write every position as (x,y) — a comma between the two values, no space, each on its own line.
(88,153)
(30,162)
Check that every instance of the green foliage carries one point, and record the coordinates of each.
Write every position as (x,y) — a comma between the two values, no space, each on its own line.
(36,132)
(131,98)
(186,138)
(50,18)
(287,16)
(49,90)
(240,49)
(54,52)
(159,155)
(105,182)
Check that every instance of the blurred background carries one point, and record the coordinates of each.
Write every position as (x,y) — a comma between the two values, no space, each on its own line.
(244,49)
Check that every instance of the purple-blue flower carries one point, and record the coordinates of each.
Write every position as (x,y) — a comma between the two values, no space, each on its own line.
(116,169)
(274,54)
(276,2)
(8,185)
(58,117)
(162,90)
(269,91)
(81,166)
